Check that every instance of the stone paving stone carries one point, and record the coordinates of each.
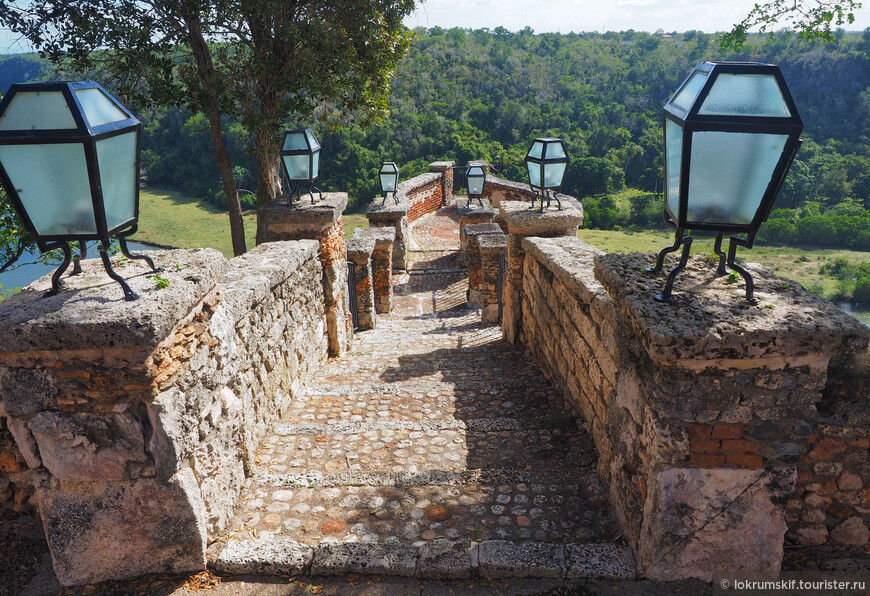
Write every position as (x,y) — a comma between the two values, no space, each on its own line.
(431,434)
(602,561)
(268,557)
(503,558)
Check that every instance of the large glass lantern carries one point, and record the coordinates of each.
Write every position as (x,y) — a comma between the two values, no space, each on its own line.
(389,176)
(731,132)
(476,177)
(300,160)
(546,162)
(69,162)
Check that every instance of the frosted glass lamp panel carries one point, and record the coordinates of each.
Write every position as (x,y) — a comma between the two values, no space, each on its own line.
(388,182)
(674,160)
(38,111)
(534,174)
(745,95)
(475,181)
(537,150)
(313,143)
(52,183)
(686,96)
(730,173)
(315,165)
(297,166)
(553,174)
(555,151)
(98,108)
(116,157)
(295,142)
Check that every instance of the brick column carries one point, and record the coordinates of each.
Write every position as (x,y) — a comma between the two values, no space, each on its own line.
(359,251)
(395,216)
(320,221)
(382,270)
(475,273)
(446,169)
(524,222)
(471,213)
(491,247)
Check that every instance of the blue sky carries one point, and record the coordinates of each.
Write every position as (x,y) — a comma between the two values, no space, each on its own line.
(592,15)
(566,15)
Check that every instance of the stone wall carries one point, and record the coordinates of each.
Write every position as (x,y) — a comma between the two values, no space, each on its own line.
(703,411)
(138,420)
(498,190)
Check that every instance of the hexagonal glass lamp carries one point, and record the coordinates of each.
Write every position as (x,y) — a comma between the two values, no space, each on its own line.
(546,162)
(389,176)
(69,162)
(731,132)
(300,160)
(476,177)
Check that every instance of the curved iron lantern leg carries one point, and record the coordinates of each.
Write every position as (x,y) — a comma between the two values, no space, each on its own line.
(744,273)
(122,242)
(129,295)
(660,260)
(56,282)
(717,248)
(558,202)
(665,296)
(83,254)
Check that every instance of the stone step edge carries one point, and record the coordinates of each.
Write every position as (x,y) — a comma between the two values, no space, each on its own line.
(479,425)
(315,389)
(434,560)
(436,270)
(570,477)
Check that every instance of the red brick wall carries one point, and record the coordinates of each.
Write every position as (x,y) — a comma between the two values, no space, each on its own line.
(425,198)
(723,445)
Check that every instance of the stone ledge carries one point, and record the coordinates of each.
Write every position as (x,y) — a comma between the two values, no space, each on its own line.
(524,188)
(433,560)
(91,305)
(378,235)
(323,212)
(389,210)
(361,246)
(530,222)
(571,261)
(708,319)
(492,243)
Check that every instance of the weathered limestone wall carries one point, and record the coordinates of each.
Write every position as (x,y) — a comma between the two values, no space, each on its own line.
(700,409)
(414,198)
(472,214)
(474,262)
(138,420)
(321,221)
(359,251)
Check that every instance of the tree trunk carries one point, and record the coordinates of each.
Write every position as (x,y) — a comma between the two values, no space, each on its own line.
(205,69)
(268,145)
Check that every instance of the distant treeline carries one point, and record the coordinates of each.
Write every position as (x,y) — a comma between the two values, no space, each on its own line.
(485,94)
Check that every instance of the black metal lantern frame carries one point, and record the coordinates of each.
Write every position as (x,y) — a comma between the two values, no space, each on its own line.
(476,173)
(389,178)
(312,152)
(685,110)
(87,135)
(548,158)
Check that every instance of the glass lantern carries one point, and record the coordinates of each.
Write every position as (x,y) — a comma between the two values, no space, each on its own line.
(476,177)
(300,160)
(546,162)
(731,132)
(389,176)
(69,162)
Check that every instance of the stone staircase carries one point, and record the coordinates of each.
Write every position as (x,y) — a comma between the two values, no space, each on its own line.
(433,449)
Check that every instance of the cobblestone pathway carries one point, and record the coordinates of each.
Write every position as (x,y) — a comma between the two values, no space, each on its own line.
(432,429)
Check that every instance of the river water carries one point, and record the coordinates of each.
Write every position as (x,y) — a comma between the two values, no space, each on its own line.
(21,276)
(862,314)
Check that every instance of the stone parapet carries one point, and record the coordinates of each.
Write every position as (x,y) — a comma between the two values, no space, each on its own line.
(473,232)
(471,214)
(283,219)
(359,251)
(522,222)
(492,248)
(137,421)
(498,190)
(703,410)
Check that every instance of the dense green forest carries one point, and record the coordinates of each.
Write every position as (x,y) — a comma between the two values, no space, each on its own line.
(485,94)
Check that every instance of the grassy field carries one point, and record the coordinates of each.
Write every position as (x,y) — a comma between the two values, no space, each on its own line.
(794,262)
(170,218)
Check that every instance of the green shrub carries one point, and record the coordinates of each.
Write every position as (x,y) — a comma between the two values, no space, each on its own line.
(861,295)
